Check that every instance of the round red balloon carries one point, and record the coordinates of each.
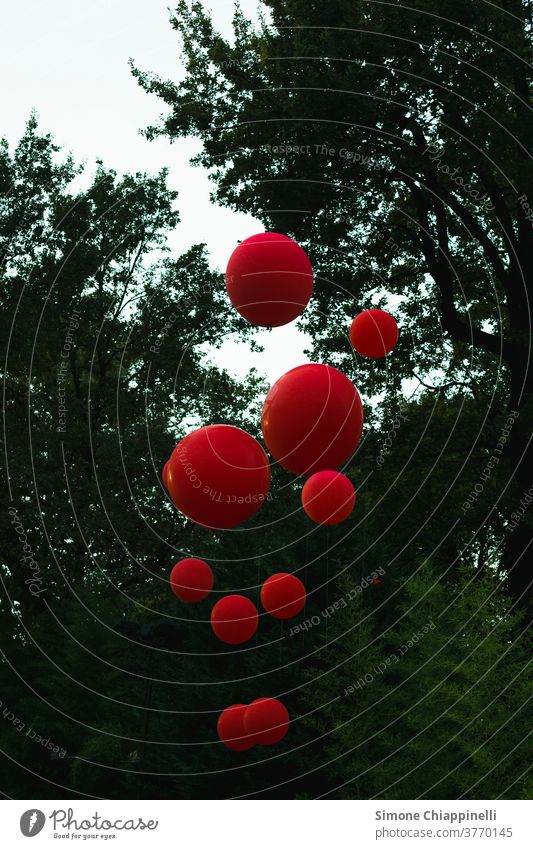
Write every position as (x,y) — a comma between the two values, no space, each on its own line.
(269,279)
(267,720)
(312,419)
(234,619)
(328,497)
(230,728)
(191,580)
(218,476)
(164,474)
(374,333)
(283,595)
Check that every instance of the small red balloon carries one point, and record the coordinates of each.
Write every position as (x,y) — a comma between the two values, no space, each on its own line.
(191,580)
(328,497)
(312,419)
(267,720)
(283,595)
(230,728)
(164,474)
(269,279)
(374,333)
(218,476)
(234,619)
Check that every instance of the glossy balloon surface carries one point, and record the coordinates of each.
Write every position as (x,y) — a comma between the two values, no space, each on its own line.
(312,419)
(374,333)
(191,580)
(283,595)
(267,720)
(234,619)
(328,497)
(269,279)
(218,476)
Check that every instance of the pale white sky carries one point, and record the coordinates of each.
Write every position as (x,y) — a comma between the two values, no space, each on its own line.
(69,60)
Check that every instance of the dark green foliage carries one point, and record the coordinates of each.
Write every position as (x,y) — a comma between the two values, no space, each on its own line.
(434,705)
(97,656)
(394,142)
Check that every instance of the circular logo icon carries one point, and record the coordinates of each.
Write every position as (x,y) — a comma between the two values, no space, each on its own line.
(32,822)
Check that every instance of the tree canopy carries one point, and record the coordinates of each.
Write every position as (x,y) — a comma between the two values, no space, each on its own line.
(393,142)
(396,142)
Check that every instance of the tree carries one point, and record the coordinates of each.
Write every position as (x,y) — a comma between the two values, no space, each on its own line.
(432,706)
(98,324)
(396,143)
(104,369)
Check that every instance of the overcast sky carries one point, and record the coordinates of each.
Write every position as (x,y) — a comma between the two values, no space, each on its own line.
(69,60)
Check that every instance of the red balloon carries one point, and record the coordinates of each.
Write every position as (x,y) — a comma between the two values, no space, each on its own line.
(234,619)
(267,720)
(328,498)
(283,595)
(164,474)
(230,728)
(312,419)
(191,580)
(269,279)
(218,476)
(374,333)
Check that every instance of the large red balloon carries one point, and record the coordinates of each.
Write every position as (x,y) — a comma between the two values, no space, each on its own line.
(267,720)
(312,419)
(191,580)
(218,476)
(234,619)
(374,333)
(328,497)
(230,728)
(269,279)
(283,595)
